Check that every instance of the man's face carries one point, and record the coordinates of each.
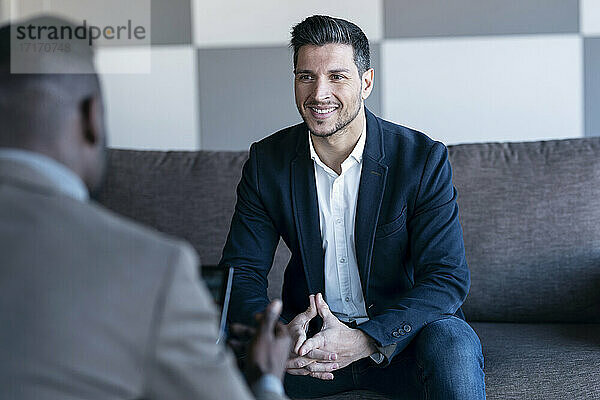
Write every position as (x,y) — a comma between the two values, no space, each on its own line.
(328,87)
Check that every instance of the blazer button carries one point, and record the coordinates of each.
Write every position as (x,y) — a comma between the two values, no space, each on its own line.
(407,328)
(396,334)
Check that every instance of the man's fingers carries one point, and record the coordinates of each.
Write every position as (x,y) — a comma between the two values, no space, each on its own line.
(311,311)
(298,362)
(322,367)
(258,317)
(297,371)
(281,329)
(326,376)
(323,308)
(271,316)
(299,342)
(311,357)
(236,344)
(282,332)
(321,355)
(241,331)
(315,342)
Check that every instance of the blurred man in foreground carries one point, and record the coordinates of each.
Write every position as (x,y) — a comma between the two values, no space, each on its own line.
(93,306)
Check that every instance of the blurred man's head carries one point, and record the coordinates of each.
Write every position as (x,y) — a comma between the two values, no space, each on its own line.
(59,115)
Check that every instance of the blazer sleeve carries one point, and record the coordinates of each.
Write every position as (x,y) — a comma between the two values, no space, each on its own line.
(184,361)
(250,245)
(441,274)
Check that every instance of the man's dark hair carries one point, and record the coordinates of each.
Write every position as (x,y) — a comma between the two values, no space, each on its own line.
(320,30)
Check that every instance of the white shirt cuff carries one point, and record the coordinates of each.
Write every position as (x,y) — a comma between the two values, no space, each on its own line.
(377,357)
(268,383)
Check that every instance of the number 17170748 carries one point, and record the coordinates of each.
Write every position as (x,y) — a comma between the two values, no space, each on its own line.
(45,47)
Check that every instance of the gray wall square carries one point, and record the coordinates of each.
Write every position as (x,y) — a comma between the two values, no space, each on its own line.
(424,18)
(592,85)
(171,22)
(374,100)
(247,93)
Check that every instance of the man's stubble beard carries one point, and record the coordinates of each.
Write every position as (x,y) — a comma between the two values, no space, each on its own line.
(340,125)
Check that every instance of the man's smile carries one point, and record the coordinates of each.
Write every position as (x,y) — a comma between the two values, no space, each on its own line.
(322,112)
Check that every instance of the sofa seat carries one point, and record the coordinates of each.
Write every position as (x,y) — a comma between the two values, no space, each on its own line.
(533,361)
(541,361)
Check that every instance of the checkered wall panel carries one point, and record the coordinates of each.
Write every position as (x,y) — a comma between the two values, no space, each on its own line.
(461,71)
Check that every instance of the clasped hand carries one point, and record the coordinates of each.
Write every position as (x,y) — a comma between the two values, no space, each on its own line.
(334,347)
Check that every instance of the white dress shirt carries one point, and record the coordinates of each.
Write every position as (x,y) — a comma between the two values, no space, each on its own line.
(337,197)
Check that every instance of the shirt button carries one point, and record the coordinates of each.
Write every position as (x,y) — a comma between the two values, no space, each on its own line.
(342,260)
(347,299)
(396,334)
(407,328)
(338,221)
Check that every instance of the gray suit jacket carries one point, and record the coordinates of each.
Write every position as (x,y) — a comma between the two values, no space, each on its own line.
(95,307)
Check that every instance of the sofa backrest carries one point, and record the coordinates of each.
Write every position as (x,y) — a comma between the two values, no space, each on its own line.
(187,194)
(530,214)
(531,219)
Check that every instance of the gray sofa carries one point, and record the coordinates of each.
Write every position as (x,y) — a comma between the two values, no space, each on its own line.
(531,219)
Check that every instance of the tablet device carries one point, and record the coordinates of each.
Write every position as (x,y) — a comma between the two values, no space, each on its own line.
(225,296)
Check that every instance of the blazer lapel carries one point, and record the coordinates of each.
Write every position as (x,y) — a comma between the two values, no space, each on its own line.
(370,196)
(306,214)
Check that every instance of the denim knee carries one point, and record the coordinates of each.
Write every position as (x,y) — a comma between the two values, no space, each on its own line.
(449,356)
(450,345)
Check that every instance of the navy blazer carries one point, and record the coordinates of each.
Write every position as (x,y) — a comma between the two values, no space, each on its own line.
(408,238)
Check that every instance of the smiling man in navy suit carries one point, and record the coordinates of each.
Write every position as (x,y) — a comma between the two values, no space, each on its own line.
(369,213)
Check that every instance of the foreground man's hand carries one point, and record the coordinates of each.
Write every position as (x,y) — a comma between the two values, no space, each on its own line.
(270,347)
(348,344)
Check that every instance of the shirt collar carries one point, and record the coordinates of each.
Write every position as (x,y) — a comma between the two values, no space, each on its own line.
(359,148)
(65,180)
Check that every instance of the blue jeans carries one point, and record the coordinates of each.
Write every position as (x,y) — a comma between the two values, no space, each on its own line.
(444,361)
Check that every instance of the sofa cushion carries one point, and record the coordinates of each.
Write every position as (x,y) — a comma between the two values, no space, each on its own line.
(531,219)
(541,361)
(186,194)
(356,395)
(533,361)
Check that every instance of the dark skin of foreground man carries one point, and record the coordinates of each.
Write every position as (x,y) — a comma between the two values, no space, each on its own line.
(369,213)
(93,306)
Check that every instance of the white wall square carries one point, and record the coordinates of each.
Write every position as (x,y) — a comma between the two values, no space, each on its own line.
(268,22)
(515,88)
(590,17)
(4,11)
(155,111)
